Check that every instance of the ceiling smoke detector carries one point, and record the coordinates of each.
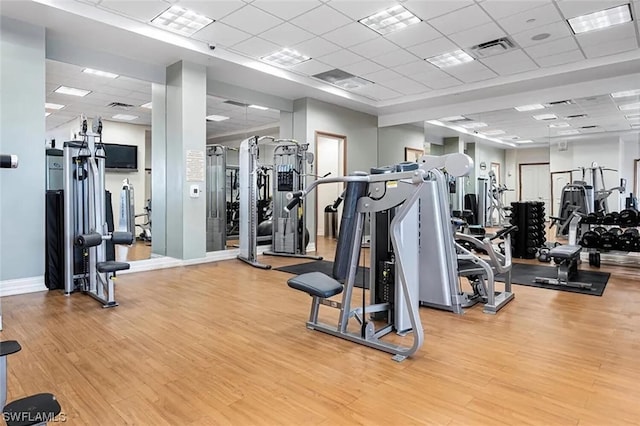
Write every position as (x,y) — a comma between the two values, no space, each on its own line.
(493,47)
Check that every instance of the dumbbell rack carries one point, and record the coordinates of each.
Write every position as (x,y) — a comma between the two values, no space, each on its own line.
(613,250)
(529,218)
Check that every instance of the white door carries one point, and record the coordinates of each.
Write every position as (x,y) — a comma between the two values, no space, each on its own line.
(535,185)
(329,159)
(558,180)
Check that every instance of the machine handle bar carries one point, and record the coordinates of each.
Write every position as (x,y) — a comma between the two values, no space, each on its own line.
(8,161)
(504,231)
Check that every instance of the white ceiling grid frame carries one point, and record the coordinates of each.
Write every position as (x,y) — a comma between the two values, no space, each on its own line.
(478,34)
(413,34)
(222,34)
(533,18)
(340,58)
(144,10)
(252,20)
(321,20)
(256,47)
(406,86)
(287,9)
(216,10)
(284,34)
(512,62)
(460,20)
(350,35)
(471,72)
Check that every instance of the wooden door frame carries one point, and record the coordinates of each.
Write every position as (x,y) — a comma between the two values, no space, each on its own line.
(520,175)
(317,134)
(552,195)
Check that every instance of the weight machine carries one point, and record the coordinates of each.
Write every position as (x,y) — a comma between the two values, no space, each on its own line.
(87,249)
(496,202)
(216,197)
(395,303)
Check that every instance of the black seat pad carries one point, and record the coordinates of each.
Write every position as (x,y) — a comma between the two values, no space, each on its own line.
(112,266)
(565,252)
(31,410)
(316,284)
(467,267)
(9,347)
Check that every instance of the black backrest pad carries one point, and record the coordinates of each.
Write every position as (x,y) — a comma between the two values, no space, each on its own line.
(355,191)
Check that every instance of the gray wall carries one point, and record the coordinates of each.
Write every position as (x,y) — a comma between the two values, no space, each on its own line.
(393,140)
(22,132)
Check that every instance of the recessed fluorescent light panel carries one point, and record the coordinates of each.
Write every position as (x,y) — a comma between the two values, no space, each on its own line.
(260,107)
(599,20)
(216,118)
(568,132)
(494,132)
(632,116)
(453,118)
(147,105)
(629,107)
(626,93)
(559,125)
(125,117)
(64,90)
(182,21)
(524,141)
(286,57)
(49,105)
(545,117)
(450,59)
(474,125)
(46,114)
(390,20)
(100,73)
(531,107)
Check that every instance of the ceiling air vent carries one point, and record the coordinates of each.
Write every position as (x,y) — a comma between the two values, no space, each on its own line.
(571,117)
(588,127)
(556,103)
(342,79)
(120,105)
(239,104)
(493,47)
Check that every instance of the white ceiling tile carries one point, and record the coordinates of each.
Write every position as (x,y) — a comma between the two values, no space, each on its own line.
(252,20)
(358,9)
(316,47)
(142,10)
(311,67)
(222,34)
(610,48)
(321,20)
(531,19)
(340,58)
(460,20)
(382,76)
(395,58)
(573,8)
(552,48)
(510,63)
(213,9)
(413,34)
(471,71)
(378,92)
(619,32)
(556,31)
(286,34)
(350,34)
(441,83)
(256,47)
(406,86)
(500,8)
(363,67)
(376,47)
(286,9)
(432,8)
(433,48)
(415,67)
(476,35)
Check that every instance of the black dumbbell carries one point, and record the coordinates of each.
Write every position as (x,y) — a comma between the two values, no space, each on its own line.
(612,218)
(590,239)
(599,230)
(632,231)
(608,241)
(626,242)
(629,217)
(543,254)
(616,231)
(590,219)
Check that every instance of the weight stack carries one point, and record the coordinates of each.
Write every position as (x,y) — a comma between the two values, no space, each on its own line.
(529,218)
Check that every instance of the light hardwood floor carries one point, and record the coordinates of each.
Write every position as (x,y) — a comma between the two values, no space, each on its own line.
(226,343)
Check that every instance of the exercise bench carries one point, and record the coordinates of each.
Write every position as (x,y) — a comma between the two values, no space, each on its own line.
(567,259)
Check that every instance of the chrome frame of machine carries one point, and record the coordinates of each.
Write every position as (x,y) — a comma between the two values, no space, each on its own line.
(289,236)
(216,197)
(85,216)
(407,192)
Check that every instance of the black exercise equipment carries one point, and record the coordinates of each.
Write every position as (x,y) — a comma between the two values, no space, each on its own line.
(594,259)
(608,241)
(629,217)
(612,218)
(567,258)
(590,239)
(599,230)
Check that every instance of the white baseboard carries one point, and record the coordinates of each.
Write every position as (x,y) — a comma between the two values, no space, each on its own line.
(22,286)
(35,284)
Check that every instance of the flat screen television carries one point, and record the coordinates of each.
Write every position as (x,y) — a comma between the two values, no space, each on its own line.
(121,157)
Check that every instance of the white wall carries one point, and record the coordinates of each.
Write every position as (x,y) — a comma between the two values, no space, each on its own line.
(629,151)
(393,140)
(513,159)
(118,133)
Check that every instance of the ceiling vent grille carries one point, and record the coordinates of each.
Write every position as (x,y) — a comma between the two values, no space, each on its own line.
(120,105)
(556,103)
(342,79)
(239,104)
(493,47)
(571,117)
(589,127)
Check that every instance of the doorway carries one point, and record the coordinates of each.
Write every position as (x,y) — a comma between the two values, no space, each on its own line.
(558,181)
(534,184)
(331,158)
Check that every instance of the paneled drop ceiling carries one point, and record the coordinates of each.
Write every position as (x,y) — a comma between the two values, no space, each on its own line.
(124,90)
(328,31)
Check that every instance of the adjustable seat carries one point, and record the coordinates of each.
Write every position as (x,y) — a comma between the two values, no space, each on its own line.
(111,267)
(316,284)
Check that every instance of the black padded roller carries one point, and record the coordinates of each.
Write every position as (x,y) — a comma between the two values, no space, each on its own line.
(89,240)
(354,191)
(122,238)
